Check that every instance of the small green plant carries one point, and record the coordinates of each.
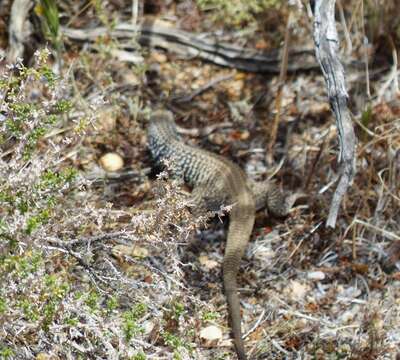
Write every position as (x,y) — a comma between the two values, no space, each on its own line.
(92,300)
(71,321)
(21,266)
(176,342)
(210,316)
(112,304)
(3,305)
(35,221)
(101,12)
(63,106)
(54,292)
(55,287)
(172,340)
(130,326)
(6,353)
(48,13)
(139,310)
(237,12)
(49,314)
(139,356)
(30,310)
(178,310)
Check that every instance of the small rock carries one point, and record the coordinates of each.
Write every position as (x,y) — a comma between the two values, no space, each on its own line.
(136,251)
(347,317)
(140,252)
(107,119)
(119,251)
(111,162)
(244,135)
(217,138)
(130,78)
(235,88)
(211,333)
(316,275)
(148,327)
(296,290)
(44,356)
(207,263)
(159,57)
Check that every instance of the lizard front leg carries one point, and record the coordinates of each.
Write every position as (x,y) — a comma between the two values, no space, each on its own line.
(209,197)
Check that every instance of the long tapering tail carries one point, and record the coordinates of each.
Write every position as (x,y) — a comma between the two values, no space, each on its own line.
(240,228)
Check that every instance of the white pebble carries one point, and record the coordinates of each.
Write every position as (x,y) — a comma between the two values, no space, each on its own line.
(316,275)
(211,333)
(111,162)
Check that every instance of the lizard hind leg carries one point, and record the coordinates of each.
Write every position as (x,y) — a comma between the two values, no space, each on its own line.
(279,203)
(267,194)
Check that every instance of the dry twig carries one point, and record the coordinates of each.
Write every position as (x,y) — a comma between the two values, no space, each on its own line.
(326,48)
(282,78)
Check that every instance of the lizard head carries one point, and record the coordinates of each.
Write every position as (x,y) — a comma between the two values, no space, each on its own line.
(162,125)
(162,116)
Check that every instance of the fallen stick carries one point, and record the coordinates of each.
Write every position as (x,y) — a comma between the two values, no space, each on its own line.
(156,33)
(327,50)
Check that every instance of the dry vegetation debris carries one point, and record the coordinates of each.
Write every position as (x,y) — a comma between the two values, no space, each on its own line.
(113,265)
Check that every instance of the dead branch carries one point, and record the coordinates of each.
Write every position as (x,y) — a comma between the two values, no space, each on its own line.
(18,29)
(326,49)
(156,33)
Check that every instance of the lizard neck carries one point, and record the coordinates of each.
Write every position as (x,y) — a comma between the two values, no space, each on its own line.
(163,139)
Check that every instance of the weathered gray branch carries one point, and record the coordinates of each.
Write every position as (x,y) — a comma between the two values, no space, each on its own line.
(19,28)
(327,53)
(157,33)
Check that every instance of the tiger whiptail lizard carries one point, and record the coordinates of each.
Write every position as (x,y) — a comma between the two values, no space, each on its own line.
(217,181)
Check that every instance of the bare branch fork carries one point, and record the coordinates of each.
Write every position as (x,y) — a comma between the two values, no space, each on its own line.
(326,49)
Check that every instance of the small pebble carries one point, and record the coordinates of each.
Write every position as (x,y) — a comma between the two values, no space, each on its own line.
(316,275)
(211,333)
(111,162)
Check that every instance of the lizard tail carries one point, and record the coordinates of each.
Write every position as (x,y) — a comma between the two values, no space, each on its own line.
(234,311)
(239,232)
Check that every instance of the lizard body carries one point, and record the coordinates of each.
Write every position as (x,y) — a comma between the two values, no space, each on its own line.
(217,181)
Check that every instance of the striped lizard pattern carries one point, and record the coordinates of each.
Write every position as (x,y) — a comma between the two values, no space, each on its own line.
(217,181)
